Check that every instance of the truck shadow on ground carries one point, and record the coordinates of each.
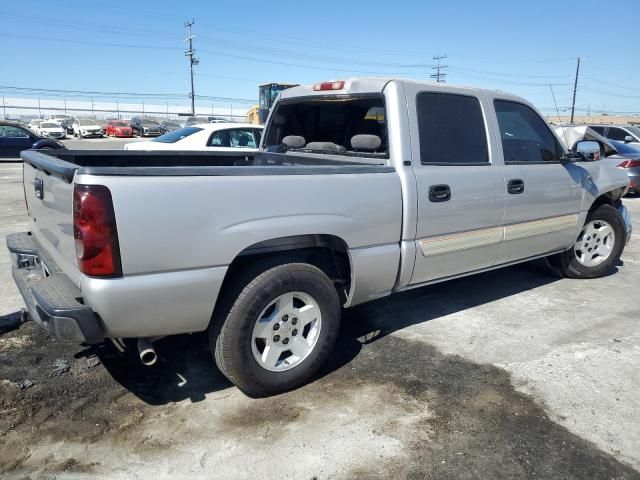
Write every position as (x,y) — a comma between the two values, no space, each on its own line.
(186,370)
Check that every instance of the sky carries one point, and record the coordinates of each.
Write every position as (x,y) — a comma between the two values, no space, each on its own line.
(125,49)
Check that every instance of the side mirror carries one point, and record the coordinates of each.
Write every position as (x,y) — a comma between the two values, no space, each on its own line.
(589,150)
(628,139)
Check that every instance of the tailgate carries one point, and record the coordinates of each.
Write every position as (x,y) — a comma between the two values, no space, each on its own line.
(49,198)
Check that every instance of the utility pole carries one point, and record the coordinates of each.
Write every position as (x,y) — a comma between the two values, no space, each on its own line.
(439,76)
(39,111)
(118,108)
(575,87)
(65,106)
(192,62)
(4,107)
(92,112)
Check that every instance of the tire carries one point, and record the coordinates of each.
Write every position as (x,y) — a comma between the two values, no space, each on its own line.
(569,262)
(256,303)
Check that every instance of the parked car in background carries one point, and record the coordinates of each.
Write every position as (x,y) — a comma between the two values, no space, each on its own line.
(118,128)
(59,118)
(221,137)
(630,156)
(145,127)
(34,124)
(15,137)
(218,120)
(619,133)
(52,129)
(67,124)
(168,126)
(87,127)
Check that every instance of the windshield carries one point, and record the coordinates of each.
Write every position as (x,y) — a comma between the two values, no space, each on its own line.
(86,123)
(49,125)
(120,124)
(176,135)
(330,125)
(148,122)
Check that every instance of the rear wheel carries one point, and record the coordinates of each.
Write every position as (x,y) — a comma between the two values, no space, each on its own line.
(278,330)
(598,246)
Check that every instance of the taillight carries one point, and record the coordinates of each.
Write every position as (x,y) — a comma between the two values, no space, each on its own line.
(630,163)
(94,230)
(328,86)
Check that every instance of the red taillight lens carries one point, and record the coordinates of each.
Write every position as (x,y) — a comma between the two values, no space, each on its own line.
(328,86)
(630,163)
(94,229)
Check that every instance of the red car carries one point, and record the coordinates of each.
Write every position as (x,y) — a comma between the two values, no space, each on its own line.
(118,128)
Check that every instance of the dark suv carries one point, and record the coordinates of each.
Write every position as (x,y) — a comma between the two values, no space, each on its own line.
(145,127)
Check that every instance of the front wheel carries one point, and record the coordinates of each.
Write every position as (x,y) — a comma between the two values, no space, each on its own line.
(278,331)
(598,246)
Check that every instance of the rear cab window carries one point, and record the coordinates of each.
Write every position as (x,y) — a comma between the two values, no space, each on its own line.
(341,125)
(451,129)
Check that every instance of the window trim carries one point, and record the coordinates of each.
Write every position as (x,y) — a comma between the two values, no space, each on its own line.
(525,162)
(489,161)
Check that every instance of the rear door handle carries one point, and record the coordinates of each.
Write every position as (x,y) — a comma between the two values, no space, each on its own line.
(439,193)
(515,186)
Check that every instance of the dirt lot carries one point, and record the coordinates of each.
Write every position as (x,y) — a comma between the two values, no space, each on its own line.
(509,374)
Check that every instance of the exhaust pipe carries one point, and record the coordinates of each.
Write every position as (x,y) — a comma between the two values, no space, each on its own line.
(146,351)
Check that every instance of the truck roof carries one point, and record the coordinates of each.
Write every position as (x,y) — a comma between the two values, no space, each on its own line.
(355,85)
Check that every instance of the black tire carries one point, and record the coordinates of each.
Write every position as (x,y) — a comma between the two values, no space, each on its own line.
(569,264)
(230,333)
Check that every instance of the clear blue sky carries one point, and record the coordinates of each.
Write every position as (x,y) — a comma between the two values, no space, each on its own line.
(137,46)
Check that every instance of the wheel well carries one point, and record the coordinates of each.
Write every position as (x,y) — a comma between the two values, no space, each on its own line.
(326,252)
(613,198)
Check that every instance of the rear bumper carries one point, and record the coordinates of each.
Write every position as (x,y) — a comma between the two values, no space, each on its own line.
(52,299)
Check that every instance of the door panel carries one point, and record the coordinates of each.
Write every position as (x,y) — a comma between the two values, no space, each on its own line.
(461,191)
(542,215)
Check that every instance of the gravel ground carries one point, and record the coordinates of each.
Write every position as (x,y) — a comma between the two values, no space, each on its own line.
(508,374)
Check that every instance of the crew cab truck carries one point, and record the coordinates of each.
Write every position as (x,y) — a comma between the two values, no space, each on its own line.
(361,188)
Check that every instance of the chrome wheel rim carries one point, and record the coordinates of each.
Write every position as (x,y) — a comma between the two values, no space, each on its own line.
(595,243)
(286,331)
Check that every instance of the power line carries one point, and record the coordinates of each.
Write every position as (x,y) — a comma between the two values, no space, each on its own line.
(88,94)
(439,76)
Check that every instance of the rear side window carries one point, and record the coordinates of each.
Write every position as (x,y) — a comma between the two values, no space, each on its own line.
(617,134)
(451,129)
(599,130)
(525,136)
(232,138)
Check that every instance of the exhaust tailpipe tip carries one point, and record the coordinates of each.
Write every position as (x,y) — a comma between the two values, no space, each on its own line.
(146,352)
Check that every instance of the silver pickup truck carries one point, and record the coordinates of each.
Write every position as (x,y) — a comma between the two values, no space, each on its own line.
(361,188)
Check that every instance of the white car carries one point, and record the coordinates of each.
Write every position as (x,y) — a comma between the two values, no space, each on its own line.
(34,124)
(51,129)
(87,127)
(204,137)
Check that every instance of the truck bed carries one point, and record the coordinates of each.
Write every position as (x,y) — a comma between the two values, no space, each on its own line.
(66,163)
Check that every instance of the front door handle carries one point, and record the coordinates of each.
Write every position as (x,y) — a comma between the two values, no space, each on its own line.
(515,186)
(439,193)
